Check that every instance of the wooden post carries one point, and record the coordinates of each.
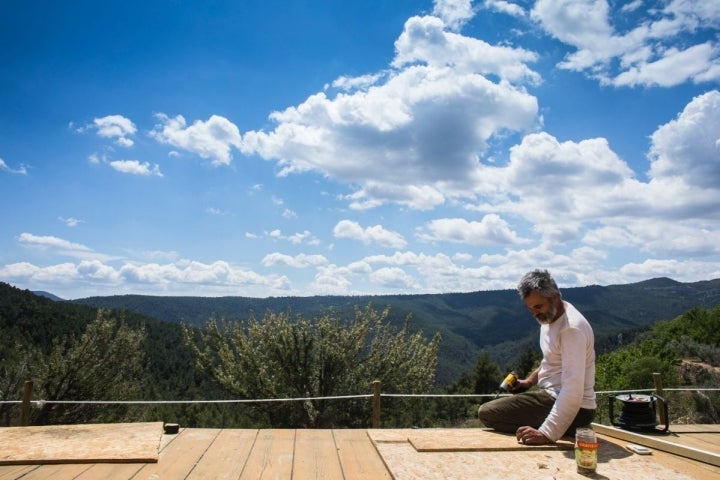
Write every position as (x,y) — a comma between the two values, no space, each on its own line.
(659,391)
(376,404)
(25,409)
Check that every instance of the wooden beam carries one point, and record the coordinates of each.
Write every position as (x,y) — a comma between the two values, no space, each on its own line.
(658,444)
(376,404)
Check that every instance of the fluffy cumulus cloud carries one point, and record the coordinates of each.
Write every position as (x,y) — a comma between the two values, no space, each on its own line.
(116,127)
(181,277)
(413,135)
(419,136)
(687,149)
(298,261)
(375,235)
(646,54)
(136,167)
(213,139)
(491,230)
(454,13)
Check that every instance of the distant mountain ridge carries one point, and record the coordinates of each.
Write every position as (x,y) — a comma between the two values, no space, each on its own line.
(495,321)
(49,295)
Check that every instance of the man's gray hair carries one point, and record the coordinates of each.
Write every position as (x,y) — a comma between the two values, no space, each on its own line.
(538,281)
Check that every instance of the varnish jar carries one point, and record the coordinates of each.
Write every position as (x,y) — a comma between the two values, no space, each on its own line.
(586,448)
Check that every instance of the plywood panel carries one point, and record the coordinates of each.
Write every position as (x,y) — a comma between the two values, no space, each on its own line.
(406,463)
(271,456)
(119,442)
(474,440)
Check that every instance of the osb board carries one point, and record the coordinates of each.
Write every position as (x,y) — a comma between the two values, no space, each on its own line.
(614,462)
(474,440)
(94,443)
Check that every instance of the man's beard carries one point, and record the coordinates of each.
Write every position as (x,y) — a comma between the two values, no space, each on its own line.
(549,317)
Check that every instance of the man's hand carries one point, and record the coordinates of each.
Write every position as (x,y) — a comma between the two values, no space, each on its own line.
(530,436)
(521,385)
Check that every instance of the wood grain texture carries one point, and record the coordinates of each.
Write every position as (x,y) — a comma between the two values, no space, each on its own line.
(119,442)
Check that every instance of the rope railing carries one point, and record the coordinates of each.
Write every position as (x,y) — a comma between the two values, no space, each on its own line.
(41,402)
(27,402)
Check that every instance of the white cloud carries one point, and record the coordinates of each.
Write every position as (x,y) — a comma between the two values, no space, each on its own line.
(414,136)
(425,40)
(698,62)
(218,273)
(375,235)
(509,8)
(331,280)
(135,167)
(49,241)
(289,214)
(647,55)
(688,148)
(116,127)
(181,277)
(305,237)
(491,230)
(393,277)
(56,245)
(454,13)
(298,261)
(213,139)
(22,170)
(217,212)
(70,222)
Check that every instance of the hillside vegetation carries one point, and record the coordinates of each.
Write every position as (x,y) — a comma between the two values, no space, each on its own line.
(78,351)
(469,323)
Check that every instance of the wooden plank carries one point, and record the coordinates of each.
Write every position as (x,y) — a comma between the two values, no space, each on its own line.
(226,457)
(701,441)
(111,471)
(12,472)
(358,457)
(90,443)
(659,444)
(704,428)
(316,455)
(180,455)
(271,456)
(56,472)
(474,440)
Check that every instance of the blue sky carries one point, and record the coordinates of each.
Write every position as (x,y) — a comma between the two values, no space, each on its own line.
(277,148)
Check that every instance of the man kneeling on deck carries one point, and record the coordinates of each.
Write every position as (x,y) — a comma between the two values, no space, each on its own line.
(565,398)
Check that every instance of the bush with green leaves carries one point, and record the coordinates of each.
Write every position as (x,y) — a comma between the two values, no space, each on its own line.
(104,363)
(280,357)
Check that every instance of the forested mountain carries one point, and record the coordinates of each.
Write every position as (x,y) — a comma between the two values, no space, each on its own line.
(82,352)
(34,326)
(494,321)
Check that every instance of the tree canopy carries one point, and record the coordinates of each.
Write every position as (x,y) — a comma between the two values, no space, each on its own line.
(278,356)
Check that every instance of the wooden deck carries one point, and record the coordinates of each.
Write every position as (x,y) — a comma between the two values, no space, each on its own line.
(374,455)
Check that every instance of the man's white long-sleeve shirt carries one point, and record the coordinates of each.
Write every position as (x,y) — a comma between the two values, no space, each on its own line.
(567,371)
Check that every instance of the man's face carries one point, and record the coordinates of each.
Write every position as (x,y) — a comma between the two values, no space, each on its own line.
(545,310)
